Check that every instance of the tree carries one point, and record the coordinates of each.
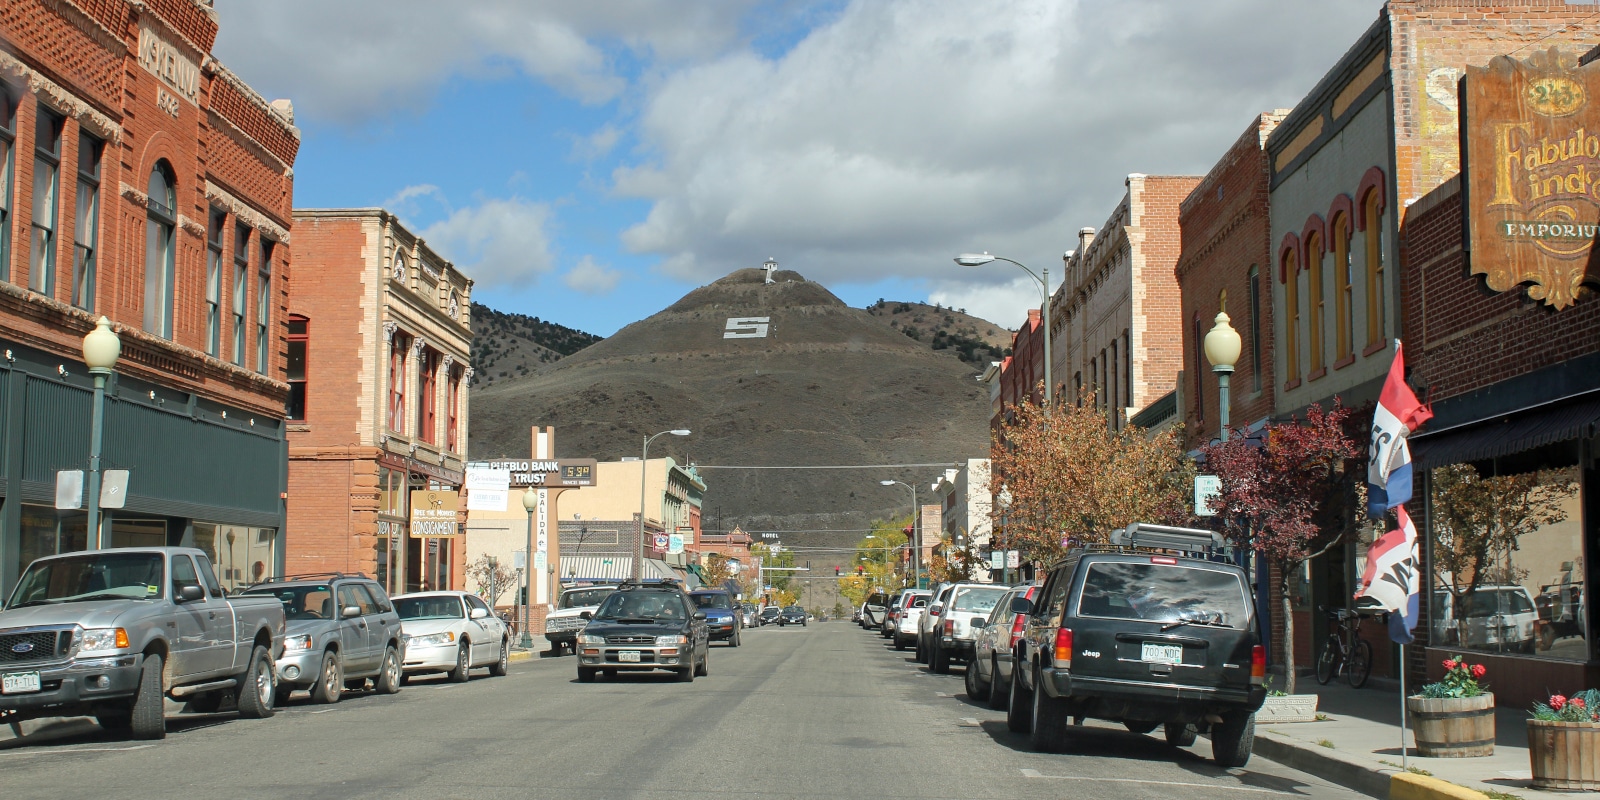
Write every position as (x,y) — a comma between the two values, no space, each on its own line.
(717,568)
(875,565)
(950,563)
(1478,522)
(769,559)
(1287,495)
(503,579)
(1070,474)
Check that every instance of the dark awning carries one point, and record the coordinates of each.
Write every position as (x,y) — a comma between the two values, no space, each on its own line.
(1504,435)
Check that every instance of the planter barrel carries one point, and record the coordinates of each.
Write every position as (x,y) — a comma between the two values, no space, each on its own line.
(1564,755)
(1453,727)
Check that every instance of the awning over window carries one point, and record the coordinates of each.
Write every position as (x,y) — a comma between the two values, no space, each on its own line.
(1504,435)
(611,569)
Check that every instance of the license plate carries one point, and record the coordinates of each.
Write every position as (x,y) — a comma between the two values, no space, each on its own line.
(628,655)
(1162,653)
(19,682)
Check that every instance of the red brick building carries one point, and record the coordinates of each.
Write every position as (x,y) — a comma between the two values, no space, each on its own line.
(142,181)
(379,340)
(1022,373)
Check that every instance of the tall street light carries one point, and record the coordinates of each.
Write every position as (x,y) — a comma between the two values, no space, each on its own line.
(1222,347)
(916,549)
(101,348)
(978,260)
(530,501)
(644,460)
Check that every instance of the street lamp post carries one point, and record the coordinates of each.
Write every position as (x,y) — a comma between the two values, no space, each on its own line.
(101,348)
(494,565)
(978,260)
(916,549)
(1222,345)
(530,502)
(644,461)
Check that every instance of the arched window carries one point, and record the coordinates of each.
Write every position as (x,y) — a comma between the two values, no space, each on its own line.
(1372,224)
(1343,300)
(1314,300)
(8,140)
(298,344)
(160,250)
(453,411)
(1255,328)
(1291,320)
(46,191)
(1199,367)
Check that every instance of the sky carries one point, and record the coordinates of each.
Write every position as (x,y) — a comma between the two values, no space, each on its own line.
(590,162)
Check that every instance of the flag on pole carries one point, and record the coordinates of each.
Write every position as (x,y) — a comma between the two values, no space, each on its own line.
(1392,579)
(1389,456)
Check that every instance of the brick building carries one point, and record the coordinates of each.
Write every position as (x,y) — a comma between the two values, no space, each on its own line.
(143,182)
(1116,314)
(379,339)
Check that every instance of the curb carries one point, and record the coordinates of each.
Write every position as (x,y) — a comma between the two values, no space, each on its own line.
(1340,769)
(1406,786)
(517,656)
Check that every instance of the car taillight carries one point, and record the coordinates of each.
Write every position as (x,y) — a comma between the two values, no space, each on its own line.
(1064,648)
(1016,628)
(1258,665)
(949,627)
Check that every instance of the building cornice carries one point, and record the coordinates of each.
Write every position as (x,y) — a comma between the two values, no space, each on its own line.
(56,96)
(246,213)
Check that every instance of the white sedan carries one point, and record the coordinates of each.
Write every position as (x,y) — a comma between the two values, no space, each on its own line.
(451,632)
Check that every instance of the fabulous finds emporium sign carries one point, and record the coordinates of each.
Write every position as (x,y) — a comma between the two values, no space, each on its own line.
(1531,154)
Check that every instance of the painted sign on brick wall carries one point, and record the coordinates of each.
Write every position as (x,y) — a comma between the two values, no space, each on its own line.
(1531,156)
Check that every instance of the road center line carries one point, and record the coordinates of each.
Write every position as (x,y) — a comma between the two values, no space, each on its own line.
(1033,773)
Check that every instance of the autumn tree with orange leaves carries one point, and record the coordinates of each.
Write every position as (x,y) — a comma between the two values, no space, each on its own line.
(1069,475)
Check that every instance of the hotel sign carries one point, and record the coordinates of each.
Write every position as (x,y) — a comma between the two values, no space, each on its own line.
(1531,157)
(178,73)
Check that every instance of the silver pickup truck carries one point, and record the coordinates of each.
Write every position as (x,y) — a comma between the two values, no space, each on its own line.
(111,633)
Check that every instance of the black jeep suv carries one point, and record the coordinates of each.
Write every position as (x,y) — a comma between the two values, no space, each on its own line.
(1154,629)
(643,627)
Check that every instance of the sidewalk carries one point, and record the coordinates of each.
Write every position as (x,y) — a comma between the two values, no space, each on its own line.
(1358,744)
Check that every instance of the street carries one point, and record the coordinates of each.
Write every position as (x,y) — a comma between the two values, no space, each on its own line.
(826,710)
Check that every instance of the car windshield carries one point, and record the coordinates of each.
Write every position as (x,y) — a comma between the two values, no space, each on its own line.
(979,600)
(586,597)
(642,605)
(712,600)
(794,610)
(101,576)
(436,607)
(313,601)
(1163,593)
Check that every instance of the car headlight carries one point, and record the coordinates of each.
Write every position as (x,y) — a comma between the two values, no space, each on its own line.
(660,640)
(591,639)
(95,640)
(301,642)
(432,639)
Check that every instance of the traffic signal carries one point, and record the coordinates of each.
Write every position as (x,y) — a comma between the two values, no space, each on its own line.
(860,571)
(835,572)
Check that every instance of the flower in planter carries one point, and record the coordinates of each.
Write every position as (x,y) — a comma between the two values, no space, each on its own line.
(1460,680)
(1581,707)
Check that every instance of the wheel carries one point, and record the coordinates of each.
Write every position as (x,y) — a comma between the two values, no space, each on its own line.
(977,690)
(922,655)
(1328,661)
(705,663)
(1359,667)
(1049,730)
(940,661)
(899,643)
(1019,714)
(585,675)
(1140,726)
(463,663)
(147,718)
(734,642)
(330,681)
(686,674)
(390,678)
(502,665)
(998,694)
(1233,738)
(1180,734)
(258,686)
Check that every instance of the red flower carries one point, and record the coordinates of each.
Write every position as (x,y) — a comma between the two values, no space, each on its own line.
(1557,702)
(1479,670)
(1577,701)
(1449,664)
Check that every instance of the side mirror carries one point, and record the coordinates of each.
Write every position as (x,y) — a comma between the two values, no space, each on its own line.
(1021,605)
(699,615)
(587,615)
(478,613)
(350,611)
(188,593)
(979,622)
(936,610)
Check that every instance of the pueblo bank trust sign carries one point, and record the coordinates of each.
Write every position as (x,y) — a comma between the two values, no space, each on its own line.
(1531,153)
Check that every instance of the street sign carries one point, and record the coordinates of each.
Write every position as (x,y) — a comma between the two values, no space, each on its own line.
(1013,559)
(433,514)
(114,488)
(997,559)
(540,560)
(674,544)
(1205,488)
(519,559)
(661,541)
(549,473)
(69,489)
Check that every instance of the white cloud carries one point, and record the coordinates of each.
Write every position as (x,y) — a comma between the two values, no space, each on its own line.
(598,144)
(410,193)
(591,277)
(499,242)
(1004,304)
(350,60)
(900,133)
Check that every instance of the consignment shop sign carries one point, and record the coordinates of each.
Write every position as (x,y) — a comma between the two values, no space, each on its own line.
(1531,153)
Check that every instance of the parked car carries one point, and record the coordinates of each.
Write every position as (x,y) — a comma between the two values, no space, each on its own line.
(723,622)
(951,639)
(644,627)
(769,614)
(113,633)
(751,615)
(1498,618)
(929,621)
(989,671)
(1155,629)
(873,611)
(453,633)
(886,629)
(573,610)
(792,615)
(913,604)
(342,630)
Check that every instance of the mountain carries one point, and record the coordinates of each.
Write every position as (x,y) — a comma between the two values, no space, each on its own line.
(810,381)
(508,344)
(974,340)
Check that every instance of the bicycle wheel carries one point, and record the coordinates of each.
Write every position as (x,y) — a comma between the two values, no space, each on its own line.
(1359,666)
(1328,661)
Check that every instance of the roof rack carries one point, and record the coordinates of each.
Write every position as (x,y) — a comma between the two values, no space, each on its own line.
(1167,537)
(310,576)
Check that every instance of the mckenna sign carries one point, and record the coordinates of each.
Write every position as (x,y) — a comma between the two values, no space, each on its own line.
(1531,154)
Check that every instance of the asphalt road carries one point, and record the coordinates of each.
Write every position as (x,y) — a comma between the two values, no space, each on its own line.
(822,711)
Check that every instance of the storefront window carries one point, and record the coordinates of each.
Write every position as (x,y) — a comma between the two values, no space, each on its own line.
(1508,556)
(46,532)
(243,555)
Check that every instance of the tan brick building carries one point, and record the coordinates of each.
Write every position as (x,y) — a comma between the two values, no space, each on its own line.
(142,181)
(1115,317)
(379,337)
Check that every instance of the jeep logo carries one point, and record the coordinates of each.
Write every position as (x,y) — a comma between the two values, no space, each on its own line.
(1090,654)
(24,647)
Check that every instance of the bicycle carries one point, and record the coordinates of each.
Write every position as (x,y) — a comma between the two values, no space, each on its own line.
(1345,651)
